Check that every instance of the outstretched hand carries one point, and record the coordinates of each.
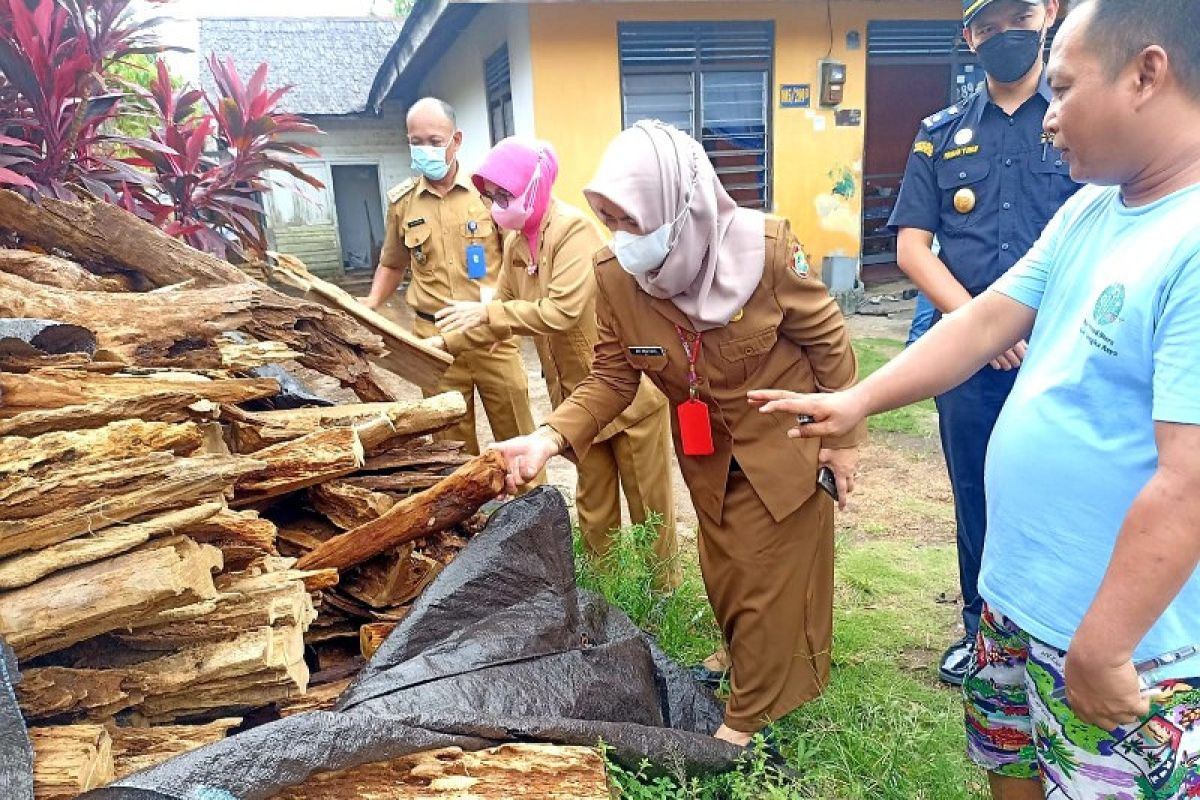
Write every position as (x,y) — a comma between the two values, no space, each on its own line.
(826,415)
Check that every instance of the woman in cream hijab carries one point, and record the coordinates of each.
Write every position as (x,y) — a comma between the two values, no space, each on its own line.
(711,301)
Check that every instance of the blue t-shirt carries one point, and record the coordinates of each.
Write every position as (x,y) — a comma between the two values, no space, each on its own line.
(1115,348)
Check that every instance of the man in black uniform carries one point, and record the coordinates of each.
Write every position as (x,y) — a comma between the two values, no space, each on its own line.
(985,179)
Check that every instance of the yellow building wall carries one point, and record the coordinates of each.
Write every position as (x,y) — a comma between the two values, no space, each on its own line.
(577,97)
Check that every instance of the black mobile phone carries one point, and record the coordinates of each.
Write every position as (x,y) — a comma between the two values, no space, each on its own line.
(827,481)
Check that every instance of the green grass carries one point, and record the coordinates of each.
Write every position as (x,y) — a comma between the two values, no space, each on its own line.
(883,729)
(915,420)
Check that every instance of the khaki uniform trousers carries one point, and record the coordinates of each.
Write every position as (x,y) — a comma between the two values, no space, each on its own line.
(636,461)
(503,387)
(771,587)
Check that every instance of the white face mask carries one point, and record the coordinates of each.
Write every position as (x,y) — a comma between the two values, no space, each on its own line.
(641,254)
(647,252)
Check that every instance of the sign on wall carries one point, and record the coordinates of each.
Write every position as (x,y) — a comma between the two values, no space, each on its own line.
(795,95)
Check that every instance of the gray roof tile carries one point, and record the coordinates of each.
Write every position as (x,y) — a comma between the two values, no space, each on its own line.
(331,61)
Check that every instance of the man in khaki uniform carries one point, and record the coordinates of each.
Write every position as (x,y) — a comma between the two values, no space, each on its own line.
(554,302)
(438,227)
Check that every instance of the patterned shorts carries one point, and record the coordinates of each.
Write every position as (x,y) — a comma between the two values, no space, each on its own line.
(1017,728)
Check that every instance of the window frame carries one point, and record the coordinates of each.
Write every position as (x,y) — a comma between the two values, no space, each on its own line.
(697,68)
(499,96)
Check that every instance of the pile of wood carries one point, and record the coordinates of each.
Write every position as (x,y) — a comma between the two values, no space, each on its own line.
(177,550)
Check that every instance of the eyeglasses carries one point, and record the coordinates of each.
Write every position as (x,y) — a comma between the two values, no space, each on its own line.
(501,198)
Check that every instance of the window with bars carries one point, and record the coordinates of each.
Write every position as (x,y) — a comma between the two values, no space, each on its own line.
(499,94)
(711,80)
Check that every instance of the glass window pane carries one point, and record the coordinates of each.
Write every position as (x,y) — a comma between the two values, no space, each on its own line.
(734,132)
(667,97)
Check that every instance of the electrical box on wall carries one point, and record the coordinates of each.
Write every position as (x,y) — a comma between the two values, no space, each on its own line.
(833,81)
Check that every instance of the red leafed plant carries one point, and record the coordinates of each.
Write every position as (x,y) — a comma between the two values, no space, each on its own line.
(210,201)
(60,99)
(54,97)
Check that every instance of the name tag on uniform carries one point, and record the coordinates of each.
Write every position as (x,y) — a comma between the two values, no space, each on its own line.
(647,351)
(476,262)
(412,223)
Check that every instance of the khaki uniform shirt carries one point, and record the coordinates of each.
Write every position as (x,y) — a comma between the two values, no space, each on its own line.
(556,306)
(790,335)
(430,234)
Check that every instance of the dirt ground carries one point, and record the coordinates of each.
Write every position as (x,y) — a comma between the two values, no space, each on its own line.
(902,489)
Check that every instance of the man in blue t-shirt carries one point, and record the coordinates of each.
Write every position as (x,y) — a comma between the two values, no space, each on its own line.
(1086,683)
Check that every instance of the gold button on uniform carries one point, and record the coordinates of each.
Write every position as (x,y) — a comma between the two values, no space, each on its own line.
(737,317)
(964,201)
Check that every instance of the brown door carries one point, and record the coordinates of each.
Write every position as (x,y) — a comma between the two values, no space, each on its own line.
(899,96)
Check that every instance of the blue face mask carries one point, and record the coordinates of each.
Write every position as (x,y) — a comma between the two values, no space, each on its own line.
(430,161)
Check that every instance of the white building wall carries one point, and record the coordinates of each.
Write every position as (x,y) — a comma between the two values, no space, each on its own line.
(304,221)
(458,76)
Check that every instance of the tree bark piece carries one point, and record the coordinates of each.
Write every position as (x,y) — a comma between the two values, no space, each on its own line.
(452,501)
(55,692)
(391,579)
(188,329)
(55,388)
(398,483)
(254,431)
(163,406)
(348,506)
(123,439)
(69,760)
(136,749)
(257,668)
(421,454)
(103,234)
(116,593)
(228,526)
(317,698)
(542,771)
(243,603)
(300,463)
(54,271)
(71,502)
(27,568)
(372,635)
(407,355)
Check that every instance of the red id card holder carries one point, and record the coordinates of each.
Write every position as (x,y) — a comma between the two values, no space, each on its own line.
(695,428)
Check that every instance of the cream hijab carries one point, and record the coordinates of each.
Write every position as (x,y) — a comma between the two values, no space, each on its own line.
(659,175)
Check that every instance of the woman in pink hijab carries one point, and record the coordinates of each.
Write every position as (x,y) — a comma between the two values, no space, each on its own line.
(547,291)
(711,301)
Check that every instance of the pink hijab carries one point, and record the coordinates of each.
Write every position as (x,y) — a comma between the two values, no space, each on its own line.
(657,174)
(526,169)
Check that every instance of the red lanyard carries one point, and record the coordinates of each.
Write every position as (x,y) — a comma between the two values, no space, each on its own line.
(691,347)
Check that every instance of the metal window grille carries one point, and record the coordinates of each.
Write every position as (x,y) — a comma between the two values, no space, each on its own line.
(498,81)
(711,80)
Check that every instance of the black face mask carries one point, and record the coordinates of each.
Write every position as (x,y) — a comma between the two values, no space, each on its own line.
(1009,56)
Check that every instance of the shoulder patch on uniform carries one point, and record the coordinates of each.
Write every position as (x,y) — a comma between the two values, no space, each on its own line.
(399,190)
(924,147)
(798,260)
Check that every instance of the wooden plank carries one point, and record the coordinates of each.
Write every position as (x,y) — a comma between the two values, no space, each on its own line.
(164,406)
(27,568)
(124,439)
(120,592)
(407,356)
(40,511)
